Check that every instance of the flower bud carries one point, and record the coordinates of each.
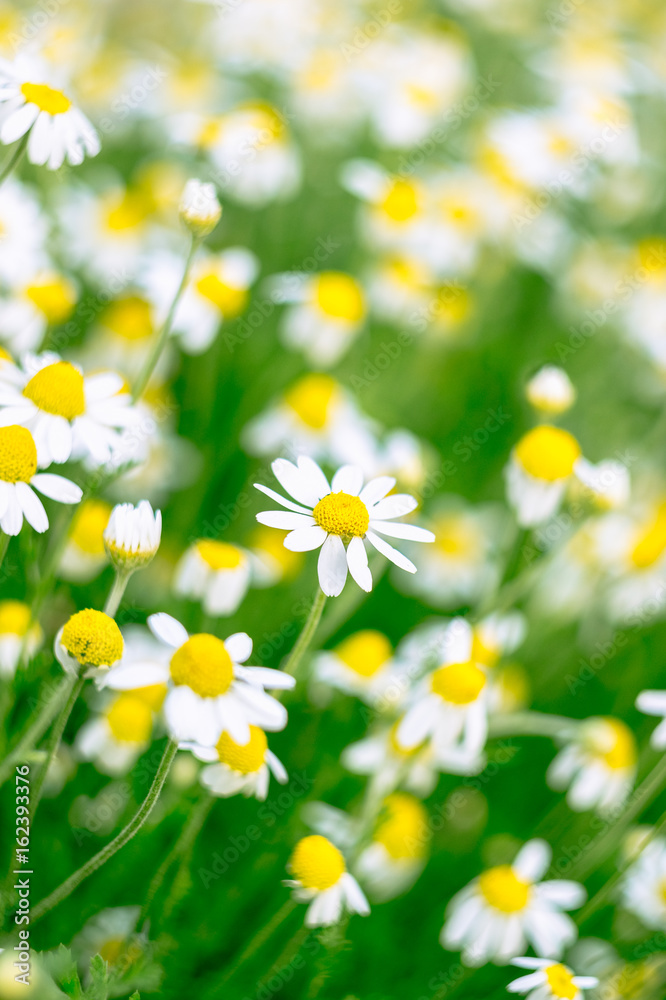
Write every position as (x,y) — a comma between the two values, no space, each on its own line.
(132,536)
(199,208)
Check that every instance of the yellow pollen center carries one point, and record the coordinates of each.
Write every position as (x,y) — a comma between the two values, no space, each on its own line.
(204,665)
(46,98)
(339,296)
(152,695)
(229,300)
(316,863)
(652,542)
(548,453)
(616,745)
(128,211)
(310,398)
(365,652)
(18,454)
(458,683)
(246,759)
(130,719)
(58,389)
(403,827)
(342,514)
(560,981)
(503,890)
(130,318)
(220,555)
(93,638)
(401,203)
(87,530)
(14,617)
(456,538)
(55,298)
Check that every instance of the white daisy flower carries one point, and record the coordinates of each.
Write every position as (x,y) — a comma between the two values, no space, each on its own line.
(654,703)
(397,854)
(84,556)
(320,878)
(58,130)
(133,534)
(238,768)
(338,518)
(216,573)
(539,471)
(550,981)
(551,391)
(383,757)
(361,665)
(89,639)
(644,885)
(19,636)
(45,299)
(115,738)
(598,765)
(507,906)
(326,315)
(19,478)
(396,217)
(199,208)
(69,415)
(209,693)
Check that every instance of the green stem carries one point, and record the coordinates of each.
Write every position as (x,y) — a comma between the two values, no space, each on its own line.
(125,835)
(163,336)
(116,593)
(16,157)
(51,749)
(259,938)
(4,545)
(532,724)
(306,636)
(36,729)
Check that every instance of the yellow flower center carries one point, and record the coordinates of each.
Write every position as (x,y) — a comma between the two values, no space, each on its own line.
(246,759)
(403,827)
(484,650)
(152,695)
(87,531)
(46,98)
(365,652)
(402,201)
(458,683)
(311,398)
(220,555)
(316,863)
(456,538)
(342,514)
(129,210)
(14,617)
(548,453)
(204,665)
(560,981)
(615,745)
(130,719)
(93,638)
(339,296)
(18,454)
(58,389)
(503,890)
(130,318)
(229,300)
(55,298)
(652,542)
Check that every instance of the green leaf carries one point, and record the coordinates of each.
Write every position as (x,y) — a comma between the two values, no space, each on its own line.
(98,987)
(135,996)
(62,968)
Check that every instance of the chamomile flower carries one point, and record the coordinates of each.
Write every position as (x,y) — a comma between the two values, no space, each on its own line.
(320,878)
(338,518)
(90,639)
(115,738)
(326,314)
(17,633)
(550,980)
(382,756)
(19,479)
(551,391)
(539,470)
(69,415)
(234,768)
(397,854)
(58,130)
(41,300)
(132,536)
(654,703)
(598,765)
(199,208)
(85,556)
(507,906)
(644,885)
(361,665)
(216,573)
(209,691)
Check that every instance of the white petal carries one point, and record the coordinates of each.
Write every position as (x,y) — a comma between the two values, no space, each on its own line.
(387,550)
(357,560)
(32,507)
(355,898)
(348,479)
(332,566)
(57,487)
(167,629)
(376,489)
(282,500)
(18,123)
(396,505)
(652,702)
(239,647)
(129,676)
(564,893)
(285,520)
(266,677)
(303,484)
(12,519)
(305,539)
(408,531)
(532,860)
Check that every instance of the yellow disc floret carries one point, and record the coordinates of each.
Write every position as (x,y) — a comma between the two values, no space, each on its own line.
(614,743)
(14,617)
(130,317)
(54,297)
(503,890)
(58,389)
(651,541)
(229,300)
(18,454)
(203,664)
(152,695)
(339,296)
(458,683)
(548,453)
(365,652)
(403,827)
(316,863)
(342,514)
(53,102)
(401,202)
(130,719)
(92,638)
(246,759)
(220,555)
(311,397)
(87,531)
(560,980)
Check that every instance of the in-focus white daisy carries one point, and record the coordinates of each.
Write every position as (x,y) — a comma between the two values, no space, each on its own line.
(58,130)
(326,314)
(598,765)
(551,391)
(19,635)
(507,906)
(19,479)
(84,556)
(550,980)
(133,534)
(539,470)
(320,878)
(210,692)
(644,885)
(69,415)
(654,703)
(361,665)
(114,738)
(338,518)
(234,768)
(397,854)
(216,573)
